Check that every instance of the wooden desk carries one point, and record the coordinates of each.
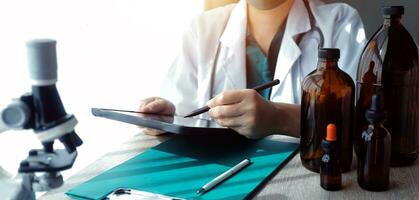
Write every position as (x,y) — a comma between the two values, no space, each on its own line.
(292,182)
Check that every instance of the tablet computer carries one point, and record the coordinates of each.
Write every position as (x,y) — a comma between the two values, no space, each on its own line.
(171,124)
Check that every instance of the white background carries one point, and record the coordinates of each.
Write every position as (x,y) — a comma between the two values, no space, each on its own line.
(111,53)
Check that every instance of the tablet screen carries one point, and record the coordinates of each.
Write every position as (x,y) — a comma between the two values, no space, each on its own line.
(177,120)
(172,124)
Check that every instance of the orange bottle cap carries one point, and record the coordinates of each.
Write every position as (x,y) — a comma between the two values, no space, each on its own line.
(331,132)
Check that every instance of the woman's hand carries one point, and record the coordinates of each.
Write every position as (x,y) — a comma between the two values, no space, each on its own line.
(246,112)
(155,105)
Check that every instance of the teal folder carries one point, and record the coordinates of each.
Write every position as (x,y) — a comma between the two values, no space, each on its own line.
(183,164)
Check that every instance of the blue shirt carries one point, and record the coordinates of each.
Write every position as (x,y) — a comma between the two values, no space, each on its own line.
(260,68)
(257,68)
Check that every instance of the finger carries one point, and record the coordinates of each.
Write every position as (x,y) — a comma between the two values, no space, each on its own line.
(247,133)
(150,131)
(227,97)
(232,122)
(144,103)
(158,106)
(226,111)
(239,125)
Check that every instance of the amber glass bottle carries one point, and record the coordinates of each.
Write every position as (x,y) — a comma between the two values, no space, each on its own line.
(328,98)
(330,170)
(389,66)
(374,151)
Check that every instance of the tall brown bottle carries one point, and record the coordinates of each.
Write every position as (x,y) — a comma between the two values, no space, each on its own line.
(328,98)
(389,67)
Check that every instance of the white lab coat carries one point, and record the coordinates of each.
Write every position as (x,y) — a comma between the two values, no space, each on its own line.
(189,82)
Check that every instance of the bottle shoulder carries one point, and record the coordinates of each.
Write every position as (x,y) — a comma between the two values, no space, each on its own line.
(375,132)
(390,53)
(347,78)
(335,79)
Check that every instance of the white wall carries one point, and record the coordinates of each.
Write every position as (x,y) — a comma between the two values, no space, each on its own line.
(370,11)
(111,53)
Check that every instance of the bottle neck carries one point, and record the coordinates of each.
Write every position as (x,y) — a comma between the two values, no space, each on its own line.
(329,147)
(379,129)
(327,64)
(377,124)
(392,20)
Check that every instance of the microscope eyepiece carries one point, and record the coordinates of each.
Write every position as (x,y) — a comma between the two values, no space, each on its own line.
(42,61)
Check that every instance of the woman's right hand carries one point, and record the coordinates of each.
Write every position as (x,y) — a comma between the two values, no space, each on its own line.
(155,105)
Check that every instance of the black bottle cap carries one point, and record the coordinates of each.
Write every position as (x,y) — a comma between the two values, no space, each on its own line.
(329,53)
(393,10)
(375,113)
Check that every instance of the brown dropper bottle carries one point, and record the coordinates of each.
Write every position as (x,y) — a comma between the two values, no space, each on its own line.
(328,97)
(330,171)
(374,150)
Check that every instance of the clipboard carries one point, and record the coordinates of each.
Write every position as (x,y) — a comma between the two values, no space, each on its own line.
(181,165)
(171,124)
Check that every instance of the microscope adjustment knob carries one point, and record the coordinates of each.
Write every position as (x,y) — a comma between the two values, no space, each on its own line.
(16,115)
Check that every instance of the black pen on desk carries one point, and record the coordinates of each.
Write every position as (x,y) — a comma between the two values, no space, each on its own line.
(257,88)
(214,182)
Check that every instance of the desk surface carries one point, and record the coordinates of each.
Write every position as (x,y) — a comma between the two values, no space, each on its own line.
(292,182)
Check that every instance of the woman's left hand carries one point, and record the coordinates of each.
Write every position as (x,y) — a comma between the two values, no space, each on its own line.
(244,111)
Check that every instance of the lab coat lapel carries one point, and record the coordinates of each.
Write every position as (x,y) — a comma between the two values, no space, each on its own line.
(233,44)
(297,23)
(233,47)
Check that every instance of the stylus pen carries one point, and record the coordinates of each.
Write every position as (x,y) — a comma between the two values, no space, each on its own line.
(257,88)
(224,176)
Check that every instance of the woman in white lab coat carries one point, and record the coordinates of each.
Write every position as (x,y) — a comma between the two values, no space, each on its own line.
(211,66)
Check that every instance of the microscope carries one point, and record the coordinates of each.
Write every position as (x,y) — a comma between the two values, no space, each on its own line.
(42,111)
